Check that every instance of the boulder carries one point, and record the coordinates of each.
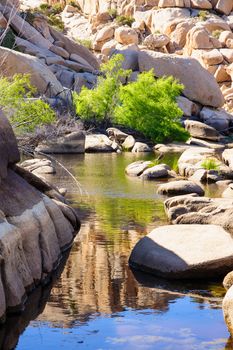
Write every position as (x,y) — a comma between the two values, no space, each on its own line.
(156,41)
(218,119)
(200,85)
(187,210)
(9,153)
(184,251)
(227,307)
(14,62)
(138,167)
(128,143)
(130,58)
(126,35)
(227,157)
(98,143)
(188,107)
(74,48)
(201,130)
(224,6)
(39,166)
(163,20)
(201,4)
(174,188)
(156,172)
(141,147)
(116,134)
(71,143)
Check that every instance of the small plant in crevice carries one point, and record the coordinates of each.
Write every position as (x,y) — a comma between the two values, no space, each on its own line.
(203,15)
(216,33)
(125,20)
(210,164)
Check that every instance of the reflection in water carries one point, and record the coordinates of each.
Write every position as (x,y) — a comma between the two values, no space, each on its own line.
(99,303)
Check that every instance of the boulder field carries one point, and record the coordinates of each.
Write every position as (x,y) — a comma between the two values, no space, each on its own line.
(35,229)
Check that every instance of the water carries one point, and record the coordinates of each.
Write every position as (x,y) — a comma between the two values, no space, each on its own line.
(98,302)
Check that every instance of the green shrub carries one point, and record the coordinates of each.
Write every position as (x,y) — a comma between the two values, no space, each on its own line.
(150,106)
(216,33)
(210,164)
(9,40)
(112,13)
(203,15)
(85,42)
(25,114)
(124,20)
(147,105)
(98,105)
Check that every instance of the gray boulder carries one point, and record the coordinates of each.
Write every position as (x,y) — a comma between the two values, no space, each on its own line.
(184,251)
(201,130)
(180,187)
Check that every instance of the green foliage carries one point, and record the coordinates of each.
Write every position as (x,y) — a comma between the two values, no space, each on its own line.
(203,15)
(52,12)
(124,20)
(98,105)
(150,106)
(74,4)
(112,13)
(210,164)
(25,114)
(9,40)
(85,42)
(216,33)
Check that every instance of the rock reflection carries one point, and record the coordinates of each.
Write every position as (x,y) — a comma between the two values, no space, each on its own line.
(16,324)
(97,280)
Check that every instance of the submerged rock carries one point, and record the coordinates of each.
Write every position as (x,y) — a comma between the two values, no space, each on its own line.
(184,251)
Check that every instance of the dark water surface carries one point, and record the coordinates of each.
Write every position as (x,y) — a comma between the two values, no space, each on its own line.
(98,302)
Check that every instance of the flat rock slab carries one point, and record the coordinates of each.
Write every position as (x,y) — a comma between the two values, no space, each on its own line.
(176,188)
(185,251)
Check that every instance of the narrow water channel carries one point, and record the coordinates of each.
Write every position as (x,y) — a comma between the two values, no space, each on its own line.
(98,302)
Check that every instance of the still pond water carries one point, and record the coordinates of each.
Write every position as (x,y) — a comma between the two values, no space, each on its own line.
(98,302)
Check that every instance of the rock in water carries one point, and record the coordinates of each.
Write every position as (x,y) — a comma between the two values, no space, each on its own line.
(176,188)
(185,251)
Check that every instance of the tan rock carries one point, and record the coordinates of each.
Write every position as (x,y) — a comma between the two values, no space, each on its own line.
(42,78)
(212,57)
(224,36)
(224,6)
(165,20)
(221,74)
(201,4)
(227,54)
(126,35)
(188,107)
(198,38)
(178,36)
(108,47)
(156,41)
(184,251)
(200,85)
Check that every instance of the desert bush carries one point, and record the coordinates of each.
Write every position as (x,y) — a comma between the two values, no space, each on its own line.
(16,100)
(150,106)
(124,20)
(147,105)
(98,105)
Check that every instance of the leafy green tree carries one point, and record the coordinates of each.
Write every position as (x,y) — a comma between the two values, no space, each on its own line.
(98,105)
(149,106)
(16,95)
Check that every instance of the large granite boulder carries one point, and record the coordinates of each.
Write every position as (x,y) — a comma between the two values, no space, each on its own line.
(185,251)
(35,230)
(199,84)
(14,62)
